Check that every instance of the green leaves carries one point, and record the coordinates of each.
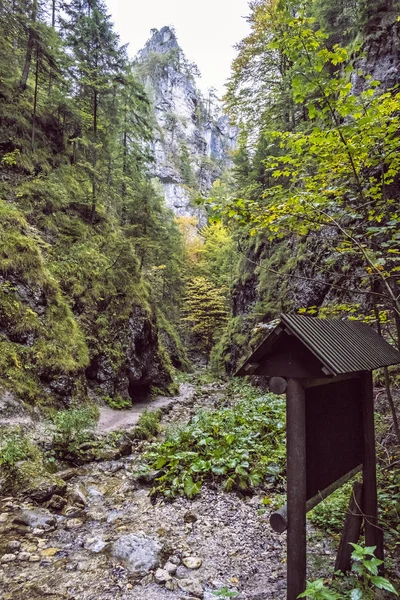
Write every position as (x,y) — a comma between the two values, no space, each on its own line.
(238,447)
(318,591)
(383,584)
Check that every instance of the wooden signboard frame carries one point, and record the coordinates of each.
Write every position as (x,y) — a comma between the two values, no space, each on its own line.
(364,505)
(325,367)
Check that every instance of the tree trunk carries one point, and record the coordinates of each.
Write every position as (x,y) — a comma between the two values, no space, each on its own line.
(35,95)
(386,374)
(29,47)
(94,163)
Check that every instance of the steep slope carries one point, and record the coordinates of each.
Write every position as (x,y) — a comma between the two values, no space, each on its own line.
(193,138)
(88,251)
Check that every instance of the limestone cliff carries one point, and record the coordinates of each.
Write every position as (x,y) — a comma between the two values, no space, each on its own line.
(193,138)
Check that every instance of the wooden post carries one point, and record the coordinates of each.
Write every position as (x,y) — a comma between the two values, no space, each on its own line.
(373,534)
(351,530)
(296,489)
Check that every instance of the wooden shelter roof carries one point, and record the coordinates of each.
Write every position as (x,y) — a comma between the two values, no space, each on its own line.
(339,345)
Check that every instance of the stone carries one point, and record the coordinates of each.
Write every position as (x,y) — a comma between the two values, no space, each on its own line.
(190,517)
(170,585)
(98,546)
(24,556)
(56,502)
(34,558)
(13,545)
(161,576)
(191,586)
(73,523)
(192,562)
(78,495)
(68,474)
(7,558)
(37,483)
(170,567)
(182,572)
(74,511)
(36,518)
(140,553)
(46,552)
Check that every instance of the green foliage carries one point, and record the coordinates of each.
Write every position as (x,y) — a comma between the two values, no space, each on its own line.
(205,312)
(14,448)
(361,585)
(118,402)
(224,593)
(148,425)
(83,225)
(331,512)
(74,426)
(238,447)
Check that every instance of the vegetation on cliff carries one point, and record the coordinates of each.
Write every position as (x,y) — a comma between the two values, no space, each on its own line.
(84,231)
(313,202)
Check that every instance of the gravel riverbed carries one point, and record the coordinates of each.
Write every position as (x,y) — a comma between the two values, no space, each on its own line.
(106,539)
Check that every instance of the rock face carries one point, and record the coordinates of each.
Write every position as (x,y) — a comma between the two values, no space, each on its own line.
(143,366)
(193,139)
(381,50)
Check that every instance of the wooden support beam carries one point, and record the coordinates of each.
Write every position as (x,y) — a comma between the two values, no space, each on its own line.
(316,382)
(278,519)
(296,483)
(351,530)
(373,533)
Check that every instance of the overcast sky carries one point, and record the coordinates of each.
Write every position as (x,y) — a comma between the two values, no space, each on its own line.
(206,30)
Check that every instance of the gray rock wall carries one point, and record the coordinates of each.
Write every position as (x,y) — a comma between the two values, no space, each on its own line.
(193,139)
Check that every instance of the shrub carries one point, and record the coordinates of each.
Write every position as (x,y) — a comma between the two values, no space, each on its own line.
(15,448)
(118,402)
(73,426)
(238,447)
(362,584)
(148,424)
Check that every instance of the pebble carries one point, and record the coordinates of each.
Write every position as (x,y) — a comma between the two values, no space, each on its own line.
(161,576)
(192,562)
(170,567)
(73,523)
(190,517)
(7,558)
(34,558)
(24,556)
(191,586)
(13,545)
(182,572)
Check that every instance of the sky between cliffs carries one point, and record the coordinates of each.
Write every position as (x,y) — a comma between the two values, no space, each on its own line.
(206,30)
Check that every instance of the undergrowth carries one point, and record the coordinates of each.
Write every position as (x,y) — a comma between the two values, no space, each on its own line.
(239,447)
(73,427)
(148,425)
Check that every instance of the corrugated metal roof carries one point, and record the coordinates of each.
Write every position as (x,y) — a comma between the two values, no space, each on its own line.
(343,346)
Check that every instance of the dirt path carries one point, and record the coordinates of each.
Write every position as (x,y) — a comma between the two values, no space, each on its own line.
(111,420)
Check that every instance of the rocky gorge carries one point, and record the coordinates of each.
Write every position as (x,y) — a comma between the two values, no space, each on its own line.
(100,535)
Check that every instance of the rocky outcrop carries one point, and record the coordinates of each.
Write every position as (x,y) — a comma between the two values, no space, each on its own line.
(145,364)
(380,57)
(193,139)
